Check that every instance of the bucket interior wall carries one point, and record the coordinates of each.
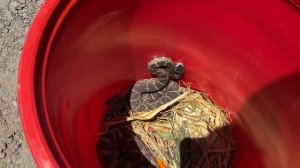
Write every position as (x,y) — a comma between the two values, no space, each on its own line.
(245,54)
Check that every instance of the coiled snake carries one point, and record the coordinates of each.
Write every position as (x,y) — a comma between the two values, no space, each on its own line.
(118,147)
(151,93)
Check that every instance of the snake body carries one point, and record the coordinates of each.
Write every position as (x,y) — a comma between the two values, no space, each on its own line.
(151,93)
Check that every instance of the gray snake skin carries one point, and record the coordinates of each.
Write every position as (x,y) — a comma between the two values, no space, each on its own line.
(151,93)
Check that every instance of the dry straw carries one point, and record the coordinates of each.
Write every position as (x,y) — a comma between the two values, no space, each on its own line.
(190,131)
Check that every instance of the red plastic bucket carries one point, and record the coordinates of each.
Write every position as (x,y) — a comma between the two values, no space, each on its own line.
(245,54)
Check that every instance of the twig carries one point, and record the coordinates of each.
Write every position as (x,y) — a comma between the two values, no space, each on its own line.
(147,115)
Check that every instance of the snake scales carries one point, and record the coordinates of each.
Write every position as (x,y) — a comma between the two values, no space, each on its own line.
(151,93)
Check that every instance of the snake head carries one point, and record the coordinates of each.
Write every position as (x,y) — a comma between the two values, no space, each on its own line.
(160,66)
(164,67)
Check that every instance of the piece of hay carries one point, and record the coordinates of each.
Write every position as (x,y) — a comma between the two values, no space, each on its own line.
(144,115)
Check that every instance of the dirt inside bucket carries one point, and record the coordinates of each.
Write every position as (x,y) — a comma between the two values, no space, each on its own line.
(189,132)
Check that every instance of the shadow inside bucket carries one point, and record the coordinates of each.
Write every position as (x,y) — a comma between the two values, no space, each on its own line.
(118,146)
(203,152)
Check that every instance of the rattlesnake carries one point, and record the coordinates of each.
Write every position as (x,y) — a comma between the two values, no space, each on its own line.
(119,147)
(151,93)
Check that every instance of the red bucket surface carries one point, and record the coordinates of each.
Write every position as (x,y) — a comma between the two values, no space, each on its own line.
(79,53)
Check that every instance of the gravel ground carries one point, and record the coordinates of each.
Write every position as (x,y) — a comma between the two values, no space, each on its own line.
(15,19)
